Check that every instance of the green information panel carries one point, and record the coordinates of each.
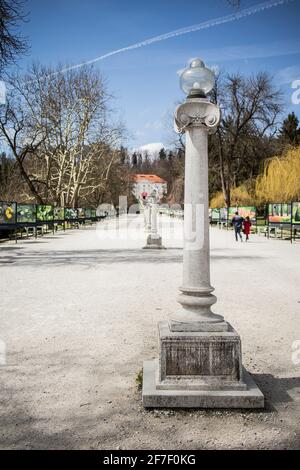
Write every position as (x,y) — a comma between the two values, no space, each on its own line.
(70,214)
(296,212)
(244,211)
(223,214)
(81,213)
(7,213)
(215,215)
(280,213)
(26,213)
(59,213)
(44,213)
(88,213)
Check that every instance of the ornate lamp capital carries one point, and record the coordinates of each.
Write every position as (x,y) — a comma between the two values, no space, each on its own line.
(197,112)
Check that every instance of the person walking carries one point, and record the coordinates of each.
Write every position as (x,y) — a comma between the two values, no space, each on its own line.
(247,227)
(237,222)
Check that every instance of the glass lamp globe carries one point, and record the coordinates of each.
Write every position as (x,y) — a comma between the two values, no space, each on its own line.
(196,80)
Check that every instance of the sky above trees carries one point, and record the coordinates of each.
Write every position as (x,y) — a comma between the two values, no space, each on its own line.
(145,80)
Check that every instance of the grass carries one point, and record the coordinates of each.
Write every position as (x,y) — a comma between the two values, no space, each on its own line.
(139,379)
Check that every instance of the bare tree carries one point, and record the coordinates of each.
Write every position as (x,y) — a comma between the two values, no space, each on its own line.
(69,114)
(9,179)
(11,43)
(250,108)
(22,138)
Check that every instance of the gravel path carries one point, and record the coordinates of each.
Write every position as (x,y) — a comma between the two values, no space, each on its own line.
(78,317)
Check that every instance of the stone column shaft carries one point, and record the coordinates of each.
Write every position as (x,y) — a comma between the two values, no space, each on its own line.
(147,217)
(153,219)
(196,269)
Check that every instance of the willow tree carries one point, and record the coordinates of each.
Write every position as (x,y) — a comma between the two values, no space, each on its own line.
(280,180)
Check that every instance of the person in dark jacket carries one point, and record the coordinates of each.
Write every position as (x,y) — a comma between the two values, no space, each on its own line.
(237,222)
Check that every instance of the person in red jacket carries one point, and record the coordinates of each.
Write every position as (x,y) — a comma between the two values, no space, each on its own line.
(247,227)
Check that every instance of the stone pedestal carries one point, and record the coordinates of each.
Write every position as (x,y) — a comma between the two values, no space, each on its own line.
(199,369)
(154,397)
(154,242)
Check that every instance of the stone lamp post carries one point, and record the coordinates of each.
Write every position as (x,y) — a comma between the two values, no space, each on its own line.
(200,361)
(154,240)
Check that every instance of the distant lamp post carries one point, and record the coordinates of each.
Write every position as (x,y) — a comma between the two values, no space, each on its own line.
(154,240)
(200,363)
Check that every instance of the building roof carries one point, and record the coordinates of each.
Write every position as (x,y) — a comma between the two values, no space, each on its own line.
(150,178)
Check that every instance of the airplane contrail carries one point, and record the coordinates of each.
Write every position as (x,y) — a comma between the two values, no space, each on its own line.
(188,29)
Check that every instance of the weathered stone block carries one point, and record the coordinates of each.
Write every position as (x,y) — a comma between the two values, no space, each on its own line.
(200,358)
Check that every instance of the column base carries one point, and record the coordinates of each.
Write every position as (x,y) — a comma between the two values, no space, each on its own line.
(198,326)
(154,242)
(199,370)
(195,313)
(154,397)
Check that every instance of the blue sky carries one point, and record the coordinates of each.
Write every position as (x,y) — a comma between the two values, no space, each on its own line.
(145,80)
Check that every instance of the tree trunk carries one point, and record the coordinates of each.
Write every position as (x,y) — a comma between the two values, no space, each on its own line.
(30,183)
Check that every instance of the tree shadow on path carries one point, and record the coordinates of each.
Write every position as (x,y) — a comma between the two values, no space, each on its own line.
(95,257)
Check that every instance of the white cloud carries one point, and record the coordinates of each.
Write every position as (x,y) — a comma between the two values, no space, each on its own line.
(139,133)
(152,148)
(287,75)
(156,125)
